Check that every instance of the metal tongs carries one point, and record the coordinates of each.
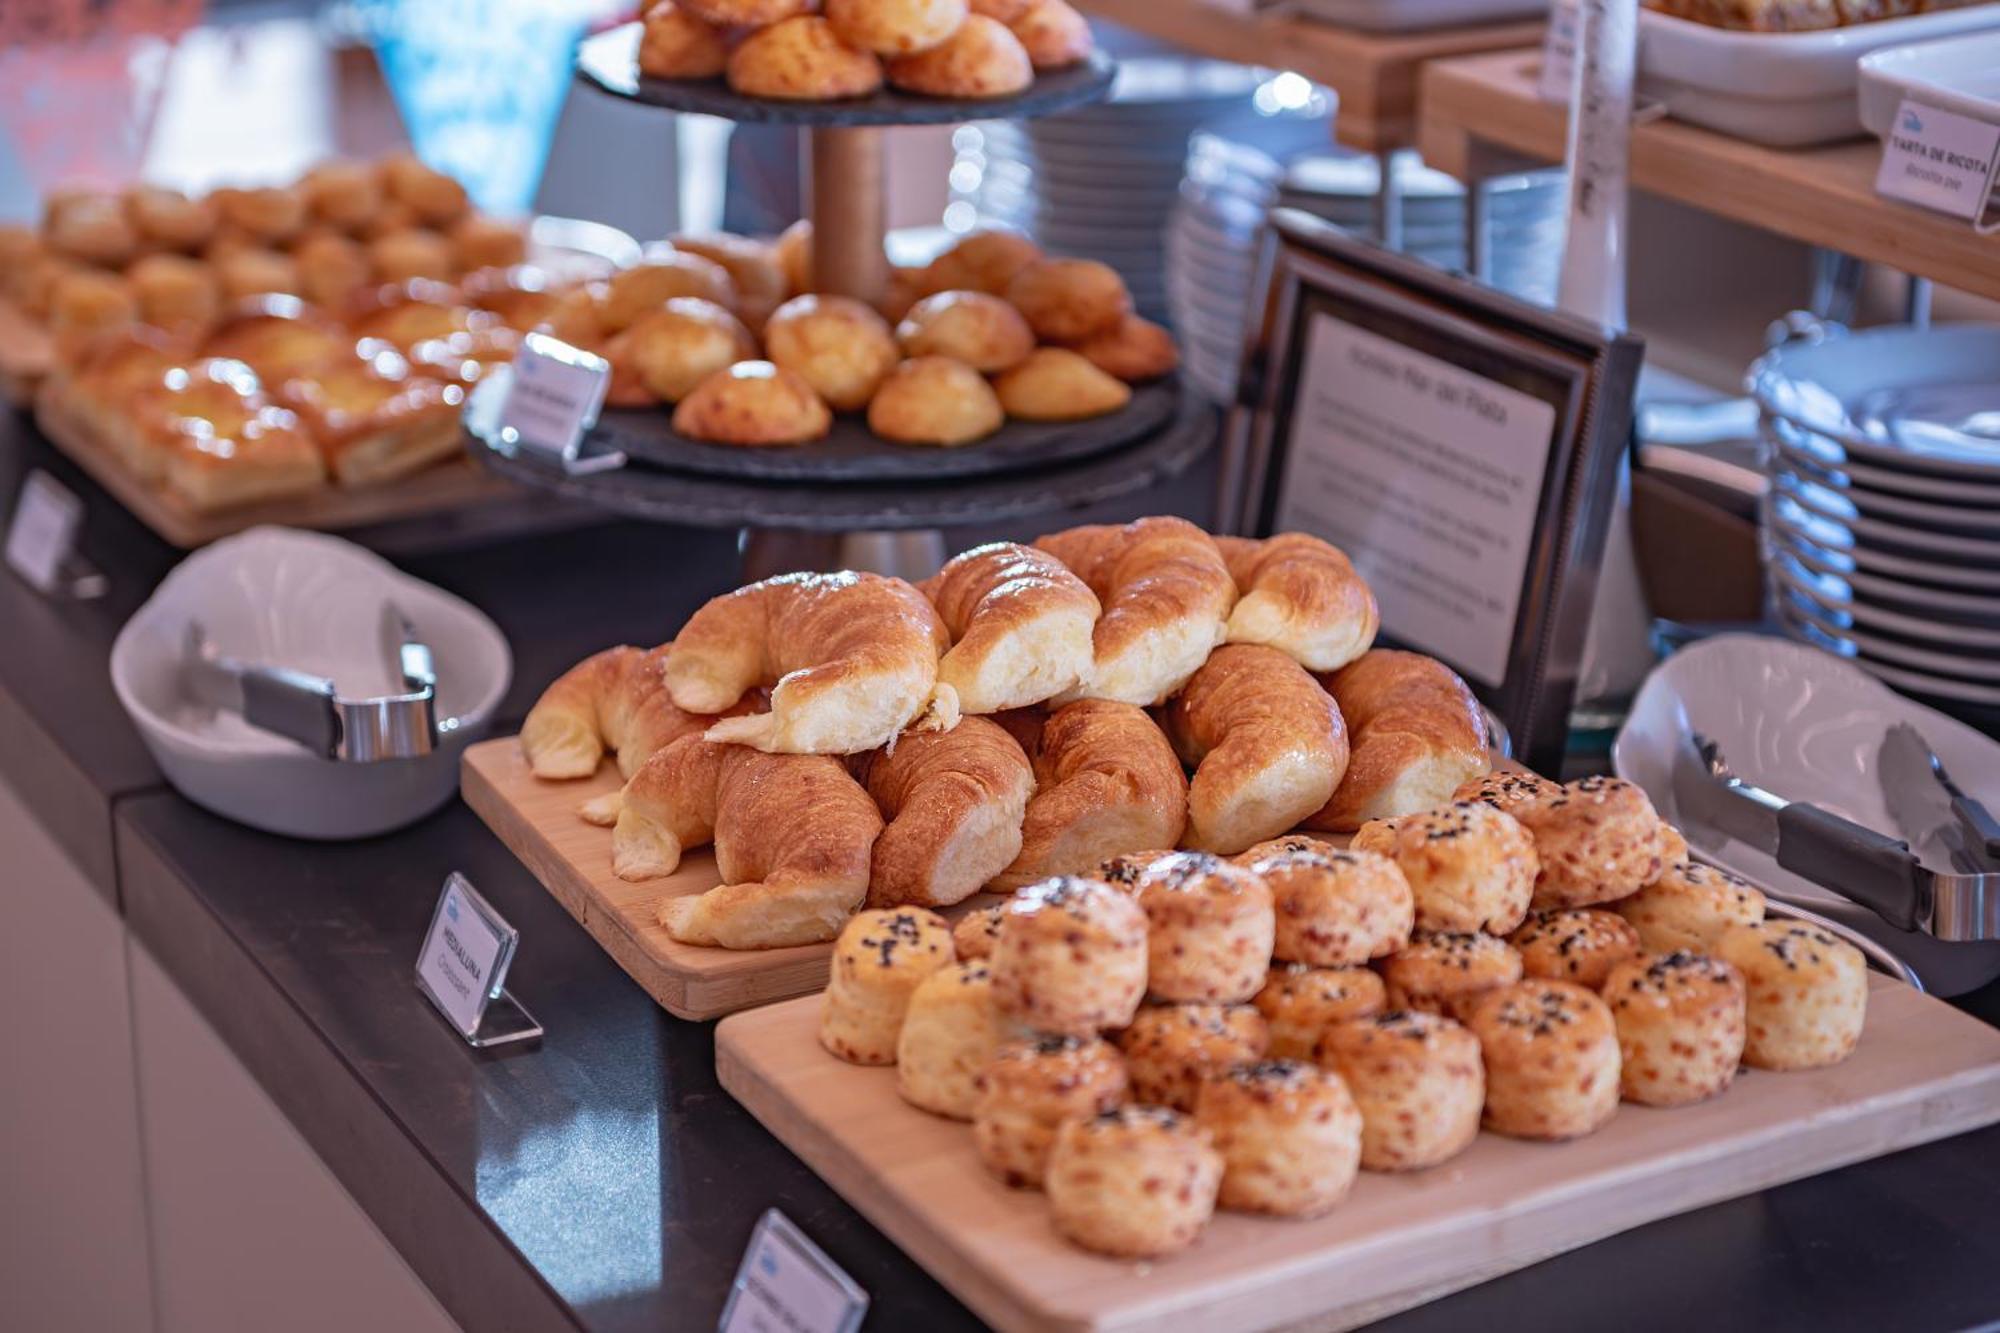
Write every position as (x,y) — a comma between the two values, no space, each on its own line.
(1879,872)
(307,708)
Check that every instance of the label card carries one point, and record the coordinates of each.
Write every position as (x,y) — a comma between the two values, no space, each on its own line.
(554,396)
(42,537)
(1940,160)
(463,966)
(786,1284)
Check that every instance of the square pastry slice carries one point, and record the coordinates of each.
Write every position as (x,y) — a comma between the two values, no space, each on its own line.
(97,397)
(279,337)
(224,442)
(373,418)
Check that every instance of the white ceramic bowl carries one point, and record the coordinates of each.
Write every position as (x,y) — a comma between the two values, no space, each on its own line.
(312,602)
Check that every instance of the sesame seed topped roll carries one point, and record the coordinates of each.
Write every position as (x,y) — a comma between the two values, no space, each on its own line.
(1680,1020)
(1071,957)
(1417,1080)
(1551,1053)
(1028,1089)
(1508,791)
(1689,906)
(1299,1002)
(1209,929)
(1598,841)
(1337,909)
(1136,1182)
(949,1033)
(1289,1135)
(1582,945)
(880,959)
(977,932)
(1171,1048)
(1470,867)
(1807,993)
(1445,971)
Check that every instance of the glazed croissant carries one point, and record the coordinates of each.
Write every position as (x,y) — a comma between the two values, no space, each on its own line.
(792,838)
(954,801)
(1416,731)
(1020,626)
(1301,596)
(1268,745)
(1107,782)
(854,658)
(615,699)
(1166,595)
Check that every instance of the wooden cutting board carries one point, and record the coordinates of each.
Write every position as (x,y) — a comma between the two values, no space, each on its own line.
(1923,1071)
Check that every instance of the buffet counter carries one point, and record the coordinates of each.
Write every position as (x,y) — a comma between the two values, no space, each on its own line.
(602,1179)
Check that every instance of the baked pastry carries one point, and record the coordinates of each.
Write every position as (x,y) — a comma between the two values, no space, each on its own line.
(1417,1080)
(1469,867)
(521,296)
(895,27)
(481,242)
(1551,1053)
(838,345)
(1053,34)
(1377,835)
(417,310)
(21,248)
(852,658)
(1069,300)
(1301,596)
(174,292)
(1107,782)
(268,215)
(1166,596)
(1266,743)
(953,801)
(434,197)
(978,931)
(1509,790)
(980,261)
(104,380)
(615,699)
(793,251)
(1300,1001)
(1056,384)
(1446,972)
(1681,1027)
(85,303)
(1019,622)
(1029,1089)
(934,400)
(1673,844)
(950,1033)
(1006,11)
(91,227)
(1289,1135)
(979,59)
(250,272)
(373,419)
(1071,957)
(752,265)
(1290,842)
(879,961)
(1582,946)
(1136,1182)
(414,252)
(746,13)
(346,195)
(1172,1049)
(1415,733)
(1689,907)
(280,338)
(981,330)
(1336,908)
(333,269)
(1807,991)
(1124,870)
(223,443)
(1208,929)
(1597,842)
(1133,349)
(676,43)
(800,59)
(665,275)
(753,403)
(169,219)
(685,341)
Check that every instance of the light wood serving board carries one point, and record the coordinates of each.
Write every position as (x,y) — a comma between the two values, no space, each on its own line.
(1923,1071)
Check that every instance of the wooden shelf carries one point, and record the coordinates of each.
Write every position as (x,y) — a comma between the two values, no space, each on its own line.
(1375,74)
(1821,196)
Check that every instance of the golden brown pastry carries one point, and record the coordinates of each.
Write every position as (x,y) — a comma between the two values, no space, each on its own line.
(1469,866)
(1580,946)
(879,961)
(746,13)
(1006,11)
(1137,1182)
(106,378)
(1133,349)
(1598,842)
(1166,596)
(1300,1001)
(1673,843)
(1056,384)
(1377,835)
(753,403)
(934,400)
(223,442)
(523,296)
(333,269)
(174,292)
(1107,782)
(1681,1030)
(684,342)
(1508,791)
(801,59)
(404,314)
(1301,596)
(482,242)
(246,273)
(412,253)
(434,197)
(169,219)
(612,700)
(345,195)
(981,330)
(1029,1089)
(21,249)
(32,286)
(1418,1081)
(1019,622)
(752,266)
(88,226)
(853,658)
(1689,907)
(1267,745)
(679,44)
(85,303)
(794,255)
(950,1034)
(1124,870)
(373,418)
(1172,1049)
(1807,991)
(280,338)
(1208,929)
(1446,972)
(1415,733)
(1071,957)
(978,932)
(1054,35)
(1336,908)
(1552,1064)
(270,215)
(953,801)
(838,345)
(666,274)
(1289,1135)
(979,59)
(981,261)
(895,27)
(1069,300)
(1291,842)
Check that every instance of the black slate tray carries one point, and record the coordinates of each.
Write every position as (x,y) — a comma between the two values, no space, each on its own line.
(609,62)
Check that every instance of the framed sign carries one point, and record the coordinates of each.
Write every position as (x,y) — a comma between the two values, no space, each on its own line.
(1462,447)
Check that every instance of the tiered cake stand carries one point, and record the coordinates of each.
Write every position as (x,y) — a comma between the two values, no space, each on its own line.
(794,503)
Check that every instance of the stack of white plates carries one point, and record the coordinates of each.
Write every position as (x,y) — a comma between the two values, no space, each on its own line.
(1882,525)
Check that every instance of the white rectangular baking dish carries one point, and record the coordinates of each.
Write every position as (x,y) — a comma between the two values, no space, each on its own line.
(1961,76)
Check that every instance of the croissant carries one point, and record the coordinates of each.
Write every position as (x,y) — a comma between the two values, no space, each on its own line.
(792,837)
(1268,745)
(1301,596)
(954,801)
(1020,626)
(1416,733)
(1166,595)
(854,658)
(1107,782)
(613,699)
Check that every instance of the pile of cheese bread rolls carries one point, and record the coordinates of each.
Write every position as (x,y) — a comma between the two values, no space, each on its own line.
(803,51)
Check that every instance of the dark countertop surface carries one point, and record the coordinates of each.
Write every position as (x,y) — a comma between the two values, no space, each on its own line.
(602,1179)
